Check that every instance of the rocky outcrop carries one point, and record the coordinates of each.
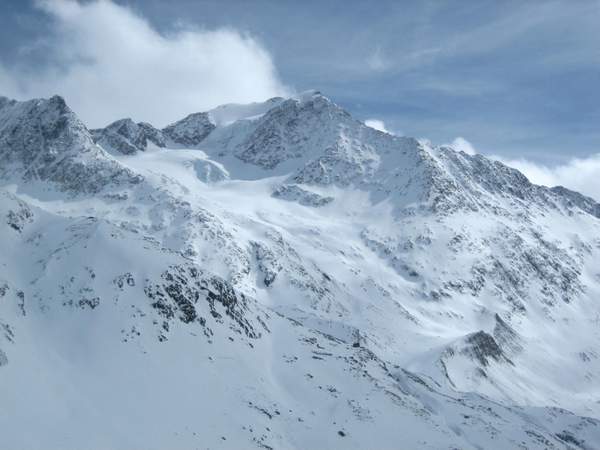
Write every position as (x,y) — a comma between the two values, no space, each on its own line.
(187,293)
(127,137)
(292,192)
(43,140)
(191,130)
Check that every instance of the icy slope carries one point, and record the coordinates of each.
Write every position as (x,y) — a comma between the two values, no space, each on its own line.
(296,280)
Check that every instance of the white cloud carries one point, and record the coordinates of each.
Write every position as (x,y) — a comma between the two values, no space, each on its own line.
(377,124)
(111,63)
(460,144)
(579,174)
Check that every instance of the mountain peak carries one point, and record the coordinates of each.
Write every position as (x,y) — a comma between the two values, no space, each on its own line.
(44,140)
(315,142)
(229,113)
(191,130)
(127,137)
(422,292)
(58,102)
(308,95)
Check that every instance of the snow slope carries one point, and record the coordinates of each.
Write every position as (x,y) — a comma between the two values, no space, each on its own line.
(279,275)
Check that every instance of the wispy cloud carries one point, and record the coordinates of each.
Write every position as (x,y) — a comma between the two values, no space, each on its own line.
(462,145)
(110,62)
(578,174)
(378,125)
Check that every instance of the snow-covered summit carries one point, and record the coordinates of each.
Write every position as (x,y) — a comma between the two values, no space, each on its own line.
(227,114)
(314,142)
(290,278)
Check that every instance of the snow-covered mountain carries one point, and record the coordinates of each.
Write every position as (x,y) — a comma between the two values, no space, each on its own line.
(280,275)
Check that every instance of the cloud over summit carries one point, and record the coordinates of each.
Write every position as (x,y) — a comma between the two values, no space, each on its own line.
(109,62)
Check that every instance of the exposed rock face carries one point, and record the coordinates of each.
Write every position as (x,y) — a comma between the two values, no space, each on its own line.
(182,288)
(285,132)
(482,347)
(43,140)
(191,130)
(321,144)
(19,215)
(127,137)
(295,193)
(506,337)
(571,198)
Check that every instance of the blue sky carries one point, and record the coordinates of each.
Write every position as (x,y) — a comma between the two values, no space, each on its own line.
(516,79)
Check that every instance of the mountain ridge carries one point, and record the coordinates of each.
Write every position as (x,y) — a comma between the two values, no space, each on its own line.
(341,286)
(318,170)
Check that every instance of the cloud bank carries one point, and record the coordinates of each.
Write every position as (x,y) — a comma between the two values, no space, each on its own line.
(578,174)
(109,63)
